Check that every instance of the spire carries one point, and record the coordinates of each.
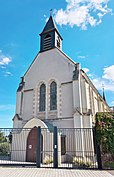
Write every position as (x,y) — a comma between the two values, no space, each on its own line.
(50,37)
(50,25)
(104,94)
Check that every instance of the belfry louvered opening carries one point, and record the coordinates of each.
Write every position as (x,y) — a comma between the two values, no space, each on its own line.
(47,42)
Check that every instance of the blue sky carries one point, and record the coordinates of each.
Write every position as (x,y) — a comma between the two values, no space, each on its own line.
(87,28)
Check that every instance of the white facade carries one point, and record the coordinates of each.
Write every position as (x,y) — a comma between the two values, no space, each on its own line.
(77,99)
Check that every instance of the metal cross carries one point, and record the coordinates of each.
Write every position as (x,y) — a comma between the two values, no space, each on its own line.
(51,11)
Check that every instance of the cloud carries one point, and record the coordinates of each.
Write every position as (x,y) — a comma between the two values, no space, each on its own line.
(3,67)
(81,57)
(7,107)
(107,79)
(4,60)
(99,83)
(109,73)
(112,103)
(7,73)
(82,13)
(45,16)
(86,70)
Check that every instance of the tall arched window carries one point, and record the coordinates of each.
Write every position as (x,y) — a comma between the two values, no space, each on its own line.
(42,97)
(53,96)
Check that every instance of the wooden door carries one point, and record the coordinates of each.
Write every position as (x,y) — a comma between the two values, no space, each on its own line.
(31,145)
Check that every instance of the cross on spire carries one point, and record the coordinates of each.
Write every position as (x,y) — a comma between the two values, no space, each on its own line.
(51,11)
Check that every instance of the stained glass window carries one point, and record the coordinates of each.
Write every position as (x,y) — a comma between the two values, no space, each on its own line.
(42,97)
(53,96)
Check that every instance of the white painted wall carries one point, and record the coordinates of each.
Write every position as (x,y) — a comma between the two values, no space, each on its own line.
(56,37)
(51,64)
(67,123)
(27,111)
(18,102)
(67,100)
(48,66)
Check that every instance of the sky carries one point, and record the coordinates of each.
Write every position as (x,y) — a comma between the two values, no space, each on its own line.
(87,28)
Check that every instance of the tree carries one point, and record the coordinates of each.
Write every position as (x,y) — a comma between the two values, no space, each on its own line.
(2,138)
(4,145)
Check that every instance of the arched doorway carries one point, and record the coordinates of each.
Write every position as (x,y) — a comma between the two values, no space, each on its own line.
(31,149)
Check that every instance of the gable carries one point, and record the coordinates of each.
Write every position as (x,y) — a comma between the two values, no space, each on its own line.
(52,64)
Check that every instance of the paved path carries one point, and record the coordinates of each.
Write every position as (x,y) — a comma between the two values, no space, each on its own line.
(44,172)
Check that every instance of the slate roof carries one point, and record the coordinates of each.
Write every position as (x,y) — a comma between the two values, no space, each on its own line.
(50,26)
(17,116)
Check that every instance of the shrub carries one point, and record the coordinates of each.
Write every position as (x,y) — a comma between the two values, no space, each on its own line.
(84,162)
(105,131)
(47,160)
(109,165)
(4,148)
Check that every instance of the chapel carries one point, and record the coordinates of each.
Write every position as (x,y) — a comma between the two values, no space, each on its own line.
(55,90)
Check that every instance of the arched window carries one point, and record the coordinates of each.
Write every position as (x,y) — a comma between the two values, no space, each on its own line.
(58,42)
(42,97)
(53,96)
(47,36)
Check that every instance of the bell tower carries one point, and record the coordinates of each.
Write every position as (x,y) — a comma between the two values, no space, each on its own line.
(50,37)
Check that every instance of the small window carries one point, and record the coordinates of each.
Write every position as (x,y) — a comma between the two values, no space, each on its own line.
(53,96)
(58,42)
(63,144)
(42,97)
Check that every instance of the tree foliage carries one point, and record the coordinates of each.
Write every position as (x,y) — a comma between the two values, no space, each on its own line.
(2,137)
(105,131)
(4,144)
